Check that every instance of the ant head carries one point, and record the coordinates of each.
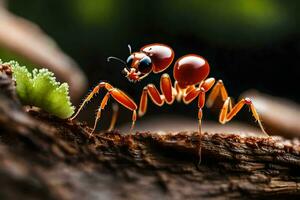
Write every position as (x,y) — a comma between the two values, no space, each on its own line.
(137,66)
(140,65)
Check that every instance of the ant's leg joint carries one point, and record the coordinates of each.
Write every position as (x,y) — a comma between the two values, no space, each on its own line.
(207,84)
(90,96)
(218,89)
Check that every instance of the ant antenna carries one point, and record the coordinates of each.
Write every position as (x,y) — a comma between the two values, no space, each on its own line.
(129,47)
(115,58)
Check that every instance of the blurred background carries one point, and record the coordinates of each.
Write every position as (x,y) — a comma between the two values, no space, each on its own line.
(249,44)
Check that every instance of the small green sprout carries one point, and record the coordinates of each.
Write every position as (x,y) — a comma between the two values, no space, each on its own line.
(41,89)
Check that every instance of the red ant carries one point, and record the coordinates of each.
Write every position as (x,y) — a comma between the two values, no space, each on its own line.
(190,73)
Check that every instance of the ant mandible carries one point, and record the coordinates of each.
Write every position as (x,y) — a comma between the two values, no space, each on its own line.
(191,82)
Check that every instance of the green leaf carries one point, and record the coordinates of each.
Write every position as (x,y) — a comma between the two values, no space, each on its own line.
(24,84)
(41,89)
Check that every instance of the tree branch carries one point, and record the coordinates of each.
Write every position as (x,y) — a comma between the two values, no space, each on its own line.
(50,158)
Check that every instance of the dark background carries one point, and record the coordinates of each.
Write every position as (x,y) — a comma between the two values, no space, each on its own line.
(249,44)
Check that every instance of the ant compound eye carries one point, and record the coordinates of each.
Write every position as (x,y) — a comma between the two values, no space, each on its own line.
(129,60)
(145,65)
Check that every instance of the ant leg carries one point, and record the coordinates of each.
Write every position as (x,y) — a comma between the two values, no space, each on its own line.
(218,88)
(207,84)
(178,91)
(117,94)
(154,95)
(168,94)
(101,107)
(133,122)
(227,111)
(143,102)
(200,115)
(115,110)
(156,98)
(226,116)
(191,94)
(127,102)
(124,100)
(167,89)
(201,102)
(91,95)
(152,91)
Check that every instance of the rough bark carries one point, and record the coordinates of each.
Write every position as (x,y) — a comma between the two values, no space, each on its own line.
(43,157)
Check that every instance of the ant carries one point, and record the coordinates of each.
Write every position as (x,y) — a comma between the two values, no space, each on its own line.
(191,82)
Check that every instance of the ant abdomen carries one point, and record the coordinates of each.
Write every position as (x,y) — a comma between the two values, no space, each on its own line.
(190,69)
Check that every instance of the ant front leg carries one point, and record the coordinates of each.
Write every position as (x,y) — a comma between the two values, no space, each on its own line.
(121,98)
(168,94)
(117,94)
(96,89)
(127,102)
(227,111)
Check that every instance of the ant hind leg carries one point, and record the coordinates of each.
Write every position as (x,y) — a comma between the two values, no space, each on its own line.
(228,111)
(227,114)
